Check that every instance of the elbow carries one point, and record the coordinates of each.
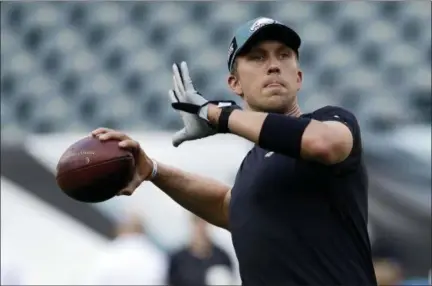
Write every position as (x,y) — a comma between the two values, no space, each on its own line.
(323,150)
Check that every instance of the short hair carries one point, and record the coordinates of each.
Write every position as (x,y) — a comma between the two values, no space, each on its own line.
(234,67)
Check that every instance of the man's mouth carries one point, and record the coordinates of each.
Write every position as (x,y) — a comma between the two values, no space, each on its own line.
(274,84)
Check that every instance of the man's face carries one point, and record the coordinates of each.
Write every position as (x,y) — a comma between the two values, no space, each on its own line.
(267,77)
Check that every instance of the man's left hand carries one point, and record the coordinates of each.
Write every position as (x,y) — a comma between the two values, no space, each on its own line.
(195,127)
(191,101)
(188,99)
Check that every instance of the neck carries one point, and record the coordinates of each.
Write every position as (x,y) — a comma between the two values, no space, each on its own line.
(294,111)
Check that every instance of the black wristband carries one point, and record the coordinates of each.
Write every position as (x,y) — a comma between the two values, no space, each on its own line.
(283,134)
(224,118)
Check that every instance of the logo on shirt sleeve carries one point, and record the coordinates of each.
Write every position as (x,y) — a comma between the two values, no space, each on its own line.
(268,154)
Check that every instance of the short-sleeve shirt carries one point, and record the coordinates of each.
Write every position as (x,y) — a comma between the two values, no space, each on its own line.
(298,222)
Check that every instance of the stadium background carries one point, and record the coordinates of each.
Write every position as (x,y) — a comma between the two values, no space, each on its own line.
(69,67)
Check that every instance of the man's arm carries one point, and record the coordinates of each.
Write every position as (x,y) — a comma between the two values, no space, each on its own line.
(328,142)
(205,197)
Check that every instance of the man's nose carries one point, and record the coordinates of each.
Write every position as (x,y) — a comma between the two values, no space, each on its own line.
(274,66)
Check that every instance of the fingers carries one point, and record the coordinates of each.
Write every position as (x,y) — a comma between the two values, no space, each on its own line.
(100,131)
(175,99)
(126,142)
(179,137)
(125,192)
(178,80)
(187,81)
(130,144)
(105,134)
(129,189)
(173,96)
(177,92)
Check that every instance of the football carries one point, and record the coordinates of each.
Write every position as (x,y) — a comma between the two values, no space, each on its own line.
(93,171)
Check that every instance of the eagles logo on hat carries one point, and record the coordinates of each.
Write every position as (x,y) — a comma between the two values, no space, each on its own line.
(260,23)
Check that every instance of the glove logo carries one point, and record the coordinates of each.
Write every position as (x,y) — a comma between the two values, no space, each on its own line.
(224,104)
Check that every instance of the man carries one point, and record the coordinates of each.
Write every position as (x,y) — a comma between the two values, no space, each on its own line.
(131,259)
(201,262)
(298,209)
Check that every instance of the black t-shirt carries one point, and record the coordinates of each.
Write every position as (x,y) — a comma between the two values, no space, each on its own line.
(185,269)
(296,222)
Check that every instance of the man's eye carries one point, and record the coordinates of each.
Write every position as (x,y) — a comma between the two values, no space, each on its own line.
(257,57)
(285,55)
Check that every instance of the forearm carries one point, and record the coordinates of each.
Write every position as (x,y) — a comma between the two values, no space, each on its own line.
(292,136)
(269,131)
(202,196)
(250,128)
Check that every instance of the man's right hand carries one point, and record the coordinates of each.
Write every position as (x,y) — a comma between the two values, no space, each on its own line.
(203,196)
(144,165)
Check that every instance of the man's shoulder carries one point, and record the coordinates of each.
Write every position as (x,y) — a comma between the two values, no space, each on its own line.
(330,108)
(219,250)
(336,113)
(179,254)
(221,255)
(331,111)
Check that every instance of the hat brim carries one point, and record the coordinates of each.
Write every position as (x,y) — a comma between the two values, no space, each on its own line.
(277,32)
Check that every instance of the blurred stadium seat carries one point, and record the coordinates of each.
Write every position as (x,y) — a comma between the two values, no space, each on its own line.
(97,68)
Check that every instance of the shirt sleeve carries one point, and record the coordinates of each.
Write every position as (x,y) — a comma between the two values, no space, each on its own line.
(333,113)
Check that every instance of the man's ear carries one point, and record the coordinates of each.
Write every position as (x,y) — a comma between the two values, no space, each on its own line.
(299,79)
(234,84)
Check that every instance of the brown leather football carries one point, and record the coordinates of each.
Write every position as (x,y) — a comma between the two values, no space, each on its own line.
(92,171)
